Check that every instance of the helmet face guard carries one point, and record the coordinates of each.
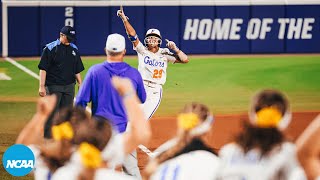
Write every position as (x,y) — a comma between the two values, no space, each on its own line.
(152,40)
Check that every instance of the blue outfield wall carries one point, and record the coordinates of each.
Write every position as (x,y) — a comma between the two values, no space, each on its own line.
(271,43)
(195,29)
(51,19)
(92,27)
(24,31)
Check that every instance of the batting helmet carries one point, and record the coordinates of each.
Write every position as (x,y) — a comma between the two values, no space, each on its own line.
(155,33)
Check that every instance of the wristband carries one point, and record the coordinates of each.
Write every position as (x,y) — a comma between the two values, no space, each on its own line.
(133,38)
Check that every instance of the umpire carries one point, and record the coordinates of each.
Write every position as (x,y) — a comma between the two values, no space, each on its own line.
(60,66)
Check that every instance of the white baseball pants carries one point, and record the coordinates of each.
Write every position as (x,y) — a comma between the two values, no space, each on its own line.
(154,96)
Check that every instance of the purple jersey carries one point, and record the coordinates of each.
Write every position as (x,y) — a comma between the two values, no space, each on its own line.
(106,101)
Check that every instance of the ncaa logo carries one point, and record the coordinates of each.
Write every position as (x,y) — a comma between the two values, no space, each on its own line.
(18,160)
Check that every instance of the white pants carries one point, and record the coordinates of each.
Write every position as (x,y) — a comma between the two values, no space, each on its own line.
(154,96)
(130,165)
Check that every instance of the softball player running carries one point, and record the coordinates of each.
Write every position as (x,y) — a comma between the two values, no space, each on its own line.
(261,150)
(186,156)
(153,62)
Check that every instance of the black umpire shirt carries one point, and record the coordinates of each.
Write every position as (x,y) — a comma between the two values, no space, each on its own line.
(61,62)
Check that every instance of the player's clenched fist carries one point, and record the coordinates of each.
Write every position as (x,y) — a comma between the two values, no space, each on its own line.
(42,91)
(46,105)
(172,45)
(121,14)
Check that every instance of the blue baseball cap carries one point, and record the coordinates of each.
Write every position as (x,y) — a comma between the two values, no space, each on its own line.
(69,31)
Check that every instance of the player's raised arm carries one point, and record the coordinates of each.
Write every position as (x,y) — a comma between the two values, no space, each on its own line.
(32,133)
(308,149)
(140,130)
(180,56)
(131,32)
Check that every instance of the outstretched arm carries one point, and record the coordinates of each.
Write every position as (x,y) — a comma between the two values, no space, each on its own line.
(85,90)
(32,133)
(179,55)
(131,32)
(308,149)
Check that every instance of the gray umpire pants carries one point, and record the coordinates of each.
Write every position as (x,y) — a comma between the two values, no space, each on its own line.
(65,96)
(130,165)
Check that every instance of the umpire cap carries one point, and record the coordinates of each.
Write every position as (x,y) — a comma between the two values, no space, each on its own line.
(70,32)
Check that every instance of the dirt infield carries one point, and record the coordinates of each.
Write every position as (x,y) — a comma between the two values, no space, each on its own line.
(223,130)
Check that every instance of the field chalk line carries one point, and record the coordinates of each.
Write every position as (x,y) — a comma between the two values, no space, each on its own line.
(23,68)
(31,73)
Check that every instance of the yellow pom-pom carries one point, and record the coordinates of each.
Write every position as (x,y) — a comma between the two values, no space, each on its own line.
(188,121)
(268,117)
(62,131)
(90,155)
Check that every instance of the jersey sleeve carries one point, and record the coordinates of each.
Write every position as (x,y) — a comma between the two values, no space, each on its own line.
(140,48)
(165,146)
(84,94)
(227,152)
(169,55)
(114,153)
(79,64)
(45,60)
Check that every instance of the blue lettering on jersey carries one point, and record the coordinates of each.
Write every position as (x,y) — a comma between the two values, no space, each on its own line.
(153,62)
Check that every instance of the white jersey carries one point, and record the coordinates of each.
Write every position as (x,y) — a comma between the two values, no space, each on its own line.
(74,167)
(190,166)
(153,66)
(103,174)
(113,153)
(239,165)
(41,170)
(70,170)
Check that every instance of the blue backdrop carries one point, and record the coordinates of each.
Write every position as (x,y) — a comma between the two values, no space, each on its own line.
(195,29)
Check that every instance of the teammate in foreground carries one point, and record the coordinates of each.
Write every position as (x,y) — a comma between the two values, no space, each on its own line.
(80,145)
(101,147)
(261,150)
(186,156)
(153,62)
